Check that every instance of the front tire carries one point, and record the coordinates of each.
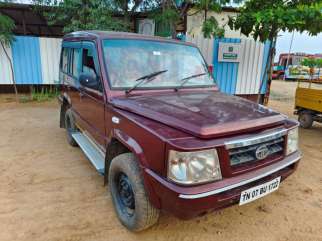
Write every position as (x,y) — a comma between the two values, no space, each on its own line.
(306,120)
(131,202)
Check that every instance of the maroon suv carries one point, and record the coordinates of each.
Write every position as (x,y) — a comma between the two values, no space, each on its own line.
(149,117)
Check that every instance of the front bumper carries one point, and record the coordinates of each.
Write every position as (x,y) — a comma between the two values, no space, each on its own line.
(189,201)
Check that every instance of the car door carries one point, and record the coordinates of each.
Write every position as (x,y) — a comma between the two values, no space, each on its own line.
(75,61)
(91,106)
(64,70)
(70,68)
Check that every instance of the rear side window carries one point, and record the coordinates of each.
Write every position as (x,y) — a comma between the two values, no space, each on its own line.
(64,60)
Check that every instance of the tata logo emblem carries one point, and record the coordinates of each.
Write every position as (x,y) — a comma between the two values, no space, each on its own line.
(261,152)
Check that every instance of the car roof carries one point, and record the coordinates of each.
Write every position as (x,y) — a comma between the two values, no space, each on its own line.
(99,35)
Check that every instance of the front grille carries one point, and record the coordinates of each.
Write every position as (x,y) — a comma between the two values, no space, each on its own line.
(273,147)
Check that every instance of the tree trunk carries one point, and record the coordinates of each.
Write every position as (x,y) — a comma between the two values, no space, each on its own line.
(12,73)
(270,73)
(166,4)
(184,9)
(174,30)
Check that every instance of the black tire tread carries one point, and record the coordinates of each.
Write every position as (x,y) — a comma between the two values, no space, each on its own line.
(308,124)
(70,139)
(148,215)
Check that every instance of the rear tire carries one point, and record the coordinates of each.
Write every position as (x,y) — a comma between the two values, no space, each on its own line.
(306,120)
(130,199)
(70,127)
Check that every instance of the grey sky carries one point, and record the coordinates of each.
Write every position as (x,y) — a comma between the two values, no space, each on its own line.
(301,43)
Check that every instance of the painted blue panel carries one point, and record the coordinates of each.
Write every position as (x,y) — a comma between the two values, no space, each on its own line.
(225,73)
(26,60)
(265,62)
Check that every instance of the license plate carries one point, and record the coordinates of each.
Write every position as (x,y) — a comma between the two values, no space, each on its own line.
(259,191)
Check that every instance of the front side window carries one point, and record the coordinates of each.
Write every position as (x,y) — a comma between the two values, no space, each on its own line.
(88,68)
(129,60)
(88,63)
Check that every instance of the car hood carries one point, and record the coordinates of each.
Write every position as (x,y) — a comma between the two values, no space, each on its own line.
(204,114)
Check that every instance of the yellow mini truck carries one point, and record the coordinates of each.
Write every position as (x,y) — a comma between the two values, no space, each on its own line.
(308,102)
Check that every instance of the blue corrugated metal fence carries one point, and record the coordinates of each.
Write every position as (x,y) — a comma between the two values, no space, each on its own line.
(225,73)
(26,60)
(35,61)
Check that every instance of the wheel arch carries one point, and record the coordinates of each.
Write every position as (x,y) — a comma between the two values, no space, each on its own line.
(65,105)
(305,110)
(122,143)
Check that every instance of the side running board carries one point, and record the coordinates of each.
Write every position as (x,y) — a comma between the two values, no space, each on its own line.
(92,152)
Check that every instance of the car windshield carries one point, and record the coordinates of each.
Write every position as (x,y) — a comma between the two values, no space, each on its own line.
(177,65)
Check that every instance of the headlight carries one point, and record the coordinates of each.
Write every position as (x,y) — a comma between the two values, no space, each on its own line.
(292,141)
(194,167)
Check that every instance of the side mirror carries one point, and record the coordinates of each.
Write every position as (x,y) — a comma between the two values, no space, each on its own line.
(211,69)
(89,81)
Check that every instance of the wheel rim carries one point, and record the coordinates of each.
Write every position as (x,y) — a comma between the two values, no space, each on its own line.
(303,119)
(125,194)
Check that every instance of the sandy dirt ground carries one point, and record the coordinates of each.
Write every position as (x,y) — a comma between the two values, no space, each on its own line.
(49,191)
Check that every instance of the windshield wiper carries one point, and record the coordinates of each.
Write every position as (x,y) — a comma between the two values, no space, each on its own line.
(185,80)
(146,78)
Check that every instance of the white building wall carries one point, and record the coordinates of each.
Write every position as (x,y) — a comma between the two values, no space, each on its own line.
(250,67)
(194,23)
(50,55)
(206,46)
(5,71)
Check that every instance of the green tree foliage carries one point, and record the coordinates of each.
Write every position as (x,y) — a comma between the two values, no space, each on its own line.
(130,7)
(166,15)
(166,21)
(210,27)
(7,26)
(169,13)
(310,62)
(81,14)
(263,19)
(319,63)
